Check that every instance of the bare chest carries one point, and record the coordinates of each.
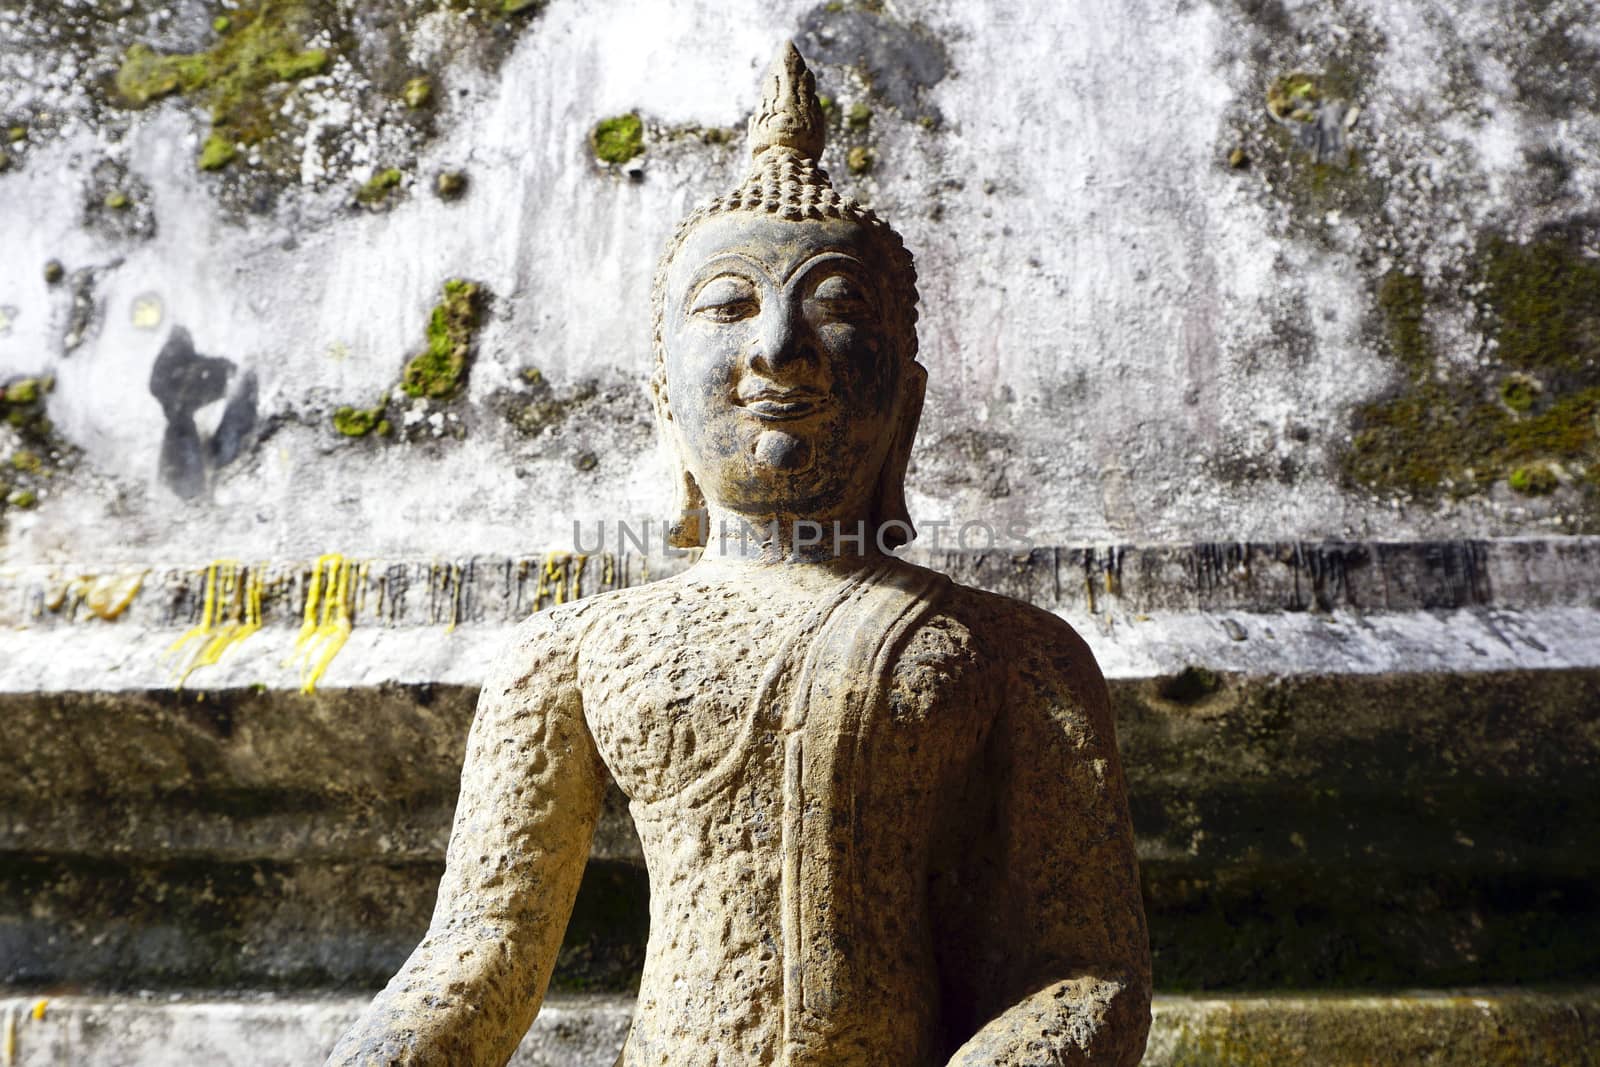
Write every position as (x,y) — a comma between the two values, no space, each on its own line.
(698,689)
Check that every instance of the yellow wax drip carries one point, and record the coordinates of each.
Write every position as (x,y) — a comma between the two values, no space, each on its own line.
(326,625)
(231,613)
(453,576)
(575,579)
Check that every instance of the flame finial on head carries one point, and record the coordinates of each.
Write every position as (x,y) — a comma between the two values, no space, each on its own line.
(789,115)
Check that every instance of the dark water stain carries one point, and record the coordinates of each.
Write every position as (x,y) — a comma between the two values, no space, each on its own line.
(184,381)
(900,60)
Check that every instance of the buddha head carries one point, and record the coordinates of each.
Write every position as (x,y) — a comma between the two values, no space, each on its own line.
(786,383)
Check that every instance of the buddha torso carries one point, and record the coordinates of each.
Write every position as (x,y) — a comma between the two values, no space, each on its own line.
(688,687)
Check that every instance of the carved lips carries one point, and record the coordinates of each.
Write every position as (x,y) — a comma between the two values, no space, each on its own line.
(784,405)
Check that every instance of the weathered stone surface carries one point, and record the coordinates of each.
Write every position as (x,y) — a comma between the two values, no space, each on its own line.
(1465,1028)
(1483,1028)
(572,1031)
(883,814)
(1135,339)
(1302,607)
(1348,830)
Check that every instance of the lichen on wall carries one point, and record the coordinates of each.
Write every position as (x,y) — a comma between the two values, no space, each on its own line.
(1236,268)
(1527,414)
(1485,306)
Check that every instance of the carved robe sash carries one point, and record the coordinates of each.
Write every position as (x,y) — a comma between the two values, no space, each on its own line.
(836,689)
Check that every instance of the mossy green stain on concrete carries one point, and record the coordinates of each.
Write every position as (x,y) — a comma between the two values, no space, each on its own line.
(1518,392)
(22,404)
(1537,479)
(25,391)
(1294,96)
(440,370)
(377,188)
(358,422)
(1449,432)
(217,152)
(259,50)
(1445,438)
(418,92)
(617,139)
(1403,300)
(1541,302)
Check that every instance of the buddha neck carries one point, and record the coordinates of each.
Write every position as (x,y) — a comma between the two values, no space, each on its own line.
(735,539)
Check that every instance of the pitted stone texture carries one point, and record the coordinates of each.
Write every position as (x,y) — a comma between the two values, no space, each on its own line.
(989,846)
(883,814)
(1457,1028)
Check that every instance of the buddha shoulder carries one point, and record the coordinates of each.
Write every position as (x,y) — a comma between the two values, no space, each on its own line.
(545,646)
(1023,645)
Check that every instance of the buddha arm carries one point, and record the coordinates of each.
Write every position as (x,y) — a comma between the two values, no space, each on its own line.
(1070,957)
(530,795)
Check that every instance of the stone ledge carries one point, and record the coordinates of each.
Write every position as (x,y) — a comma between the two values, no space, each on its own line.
(1442,1029)
(113,659)
(1262,608)
(1241,576)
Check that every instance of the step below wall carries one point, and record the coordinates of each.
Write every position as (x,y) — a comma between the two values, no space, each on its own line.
(1355,767)
(1321,831)
(1485,1028)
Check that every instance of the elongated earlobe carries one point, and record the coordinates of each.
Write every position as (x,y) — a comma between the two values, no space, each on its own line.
(687,526)
(891,517)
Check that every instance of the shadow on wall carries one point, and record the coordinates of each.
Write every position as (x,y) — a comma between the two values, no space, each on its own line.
(184,381)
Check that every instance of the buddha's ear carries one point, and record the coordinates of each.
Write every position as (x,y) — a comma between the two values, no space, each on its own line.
(687,528)
(893,518)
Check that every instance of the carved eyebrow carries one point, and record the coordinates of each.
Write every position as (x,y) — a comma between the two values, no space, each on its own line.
(717,266)
(742,283)
(801,270)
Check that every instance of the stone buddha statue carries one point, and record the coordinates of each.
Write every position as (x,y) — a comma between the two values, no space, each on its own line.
(883,814)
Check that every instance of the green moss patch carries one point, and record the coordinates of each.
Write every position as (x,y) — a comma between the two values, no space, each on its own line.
(377,188)
(1541,301)
(1294,97)
(1535,411)
(22,407)
(358,422)
(1403,300)
(418,92)
(1518,392)
(617,139)
(217,152)
(33,452)
(240,78)
(451,185)
(1537,479)
(440,370)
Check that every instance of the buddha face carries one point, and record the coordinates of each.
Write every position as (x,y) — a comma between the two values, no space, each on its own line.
(782,371)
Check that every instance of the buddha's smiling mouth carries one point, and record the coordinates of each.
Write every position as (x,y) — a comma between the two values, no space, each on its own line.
(784,405)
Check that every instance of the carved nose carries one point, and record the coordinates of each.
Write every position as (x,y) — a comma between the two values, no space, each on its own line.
(783,342)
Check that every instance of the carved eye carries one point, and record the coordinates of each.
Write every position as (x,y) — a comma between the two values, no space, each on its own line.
(841,297)
(726,298)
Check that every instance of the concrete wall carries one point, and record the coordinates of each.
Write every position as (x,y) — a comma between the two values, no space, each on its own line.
(1275,327)
(1153,308)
